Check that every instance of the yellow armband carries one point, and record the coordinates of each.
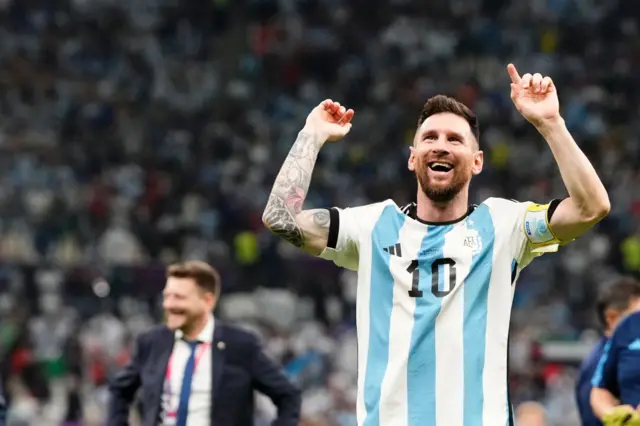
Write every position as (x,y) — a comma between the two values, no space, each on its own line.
(537,229)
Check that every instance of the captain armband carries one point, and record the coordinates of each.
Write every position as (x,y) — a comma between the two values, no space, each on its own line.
(537,229)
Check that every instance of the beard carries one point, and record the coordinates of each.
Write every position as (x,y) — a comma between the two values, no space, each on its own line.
(442,193)
(182,320)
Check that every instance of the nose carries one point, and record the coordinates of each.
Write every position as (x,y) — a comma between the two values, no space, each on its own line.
(440,149)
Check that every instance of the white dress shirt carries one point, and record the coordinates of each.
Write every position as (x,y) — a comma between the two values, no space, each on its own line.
(199,411)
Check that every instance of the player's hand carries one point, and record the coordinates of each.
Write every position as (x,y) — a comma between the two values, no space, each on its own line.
(622,415)
(534,96)
(330,119)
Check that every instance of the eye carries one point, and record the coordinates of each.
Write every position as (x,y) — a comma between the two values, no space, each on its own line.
(430,137)
(455,139)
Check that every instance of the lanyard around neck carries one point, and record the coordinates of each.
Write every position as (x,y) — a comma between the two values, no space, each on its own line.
(200,352)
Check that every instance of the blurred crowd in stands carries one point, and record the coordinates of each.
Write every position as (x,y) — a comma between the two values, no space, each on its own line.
(136,133)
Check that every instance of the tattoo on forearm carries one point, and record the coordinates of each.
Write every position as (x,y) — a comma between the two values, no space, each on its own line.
(290,189)
(322,218)
(282,222)
(293,180)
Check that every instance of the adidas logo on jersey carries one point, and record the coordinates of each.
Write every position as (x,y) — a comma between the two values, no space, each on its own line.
(394,250)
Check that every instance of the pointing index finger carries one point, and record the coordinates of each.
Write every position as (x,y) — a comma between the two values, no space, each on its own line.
(513,73)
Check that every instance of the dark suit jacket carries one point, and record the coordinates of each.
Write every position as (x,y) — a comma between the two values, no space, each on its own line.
(239,367)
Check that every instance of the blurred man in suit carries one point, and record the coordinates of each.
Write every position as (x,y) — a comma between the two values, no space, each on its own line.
(196,370)
(614,301)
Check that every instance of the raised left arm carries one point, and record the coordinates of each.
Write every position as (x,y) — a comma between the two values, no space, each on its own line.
(588,201)
(536,98)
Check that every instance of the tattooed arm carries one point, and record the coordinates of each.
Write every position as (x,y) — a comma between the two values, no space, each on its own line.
(307,229)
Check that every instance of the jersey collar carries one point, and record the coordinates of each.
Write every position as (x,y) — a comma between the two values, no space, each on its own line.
(411,210)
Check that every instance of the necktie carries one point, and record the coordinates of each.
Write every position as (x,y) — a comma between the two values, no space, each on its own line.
(185,389)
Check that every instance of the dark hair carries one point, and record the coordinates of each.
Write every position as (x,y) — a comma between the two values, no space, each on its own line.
(441,103)
(617,295)
(205,276)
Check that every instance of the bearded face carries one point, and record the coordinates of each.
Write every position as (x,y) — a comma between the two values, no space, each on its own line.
(444,157)
(442,176)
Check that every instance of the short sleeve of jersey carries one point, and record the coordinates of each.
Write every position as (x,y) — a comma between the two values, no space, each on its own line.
(528,226)
(348,227)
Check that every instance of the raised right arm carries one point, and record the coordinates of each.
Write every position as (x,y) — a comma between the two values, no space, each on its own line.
(283,215)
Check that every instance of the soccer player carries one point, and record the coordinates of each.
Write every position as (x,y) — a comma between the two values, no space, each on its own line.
(615,397)
(436,278)
(615,301)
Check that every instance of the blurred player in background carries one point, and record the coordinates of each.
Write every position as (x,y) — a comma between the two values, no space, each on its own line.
(436,278)
(615,397)
(615,301)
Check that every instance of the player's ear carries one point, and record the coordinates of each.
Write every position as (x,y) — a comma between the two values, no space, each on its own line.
(478,162)
(412,159)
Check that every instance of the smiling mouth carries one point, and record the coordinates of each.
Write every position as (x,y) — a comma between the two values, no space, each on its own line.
(440,167)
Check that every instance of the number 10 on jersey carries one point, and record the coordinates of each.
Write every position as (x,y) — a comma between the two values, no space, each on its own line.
(439,269)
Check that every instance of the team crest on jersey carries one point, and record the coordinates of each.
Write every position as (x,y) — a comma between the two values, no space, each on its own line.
(473,241)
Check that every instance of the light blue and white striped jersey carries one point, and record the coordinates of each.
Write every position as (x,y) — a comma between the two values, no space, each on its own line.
(433,308)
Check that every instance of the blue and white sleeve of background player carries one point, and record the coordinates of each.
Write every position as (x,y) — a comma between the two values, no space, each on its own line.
(347,229)
(606,374)
(527,223)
